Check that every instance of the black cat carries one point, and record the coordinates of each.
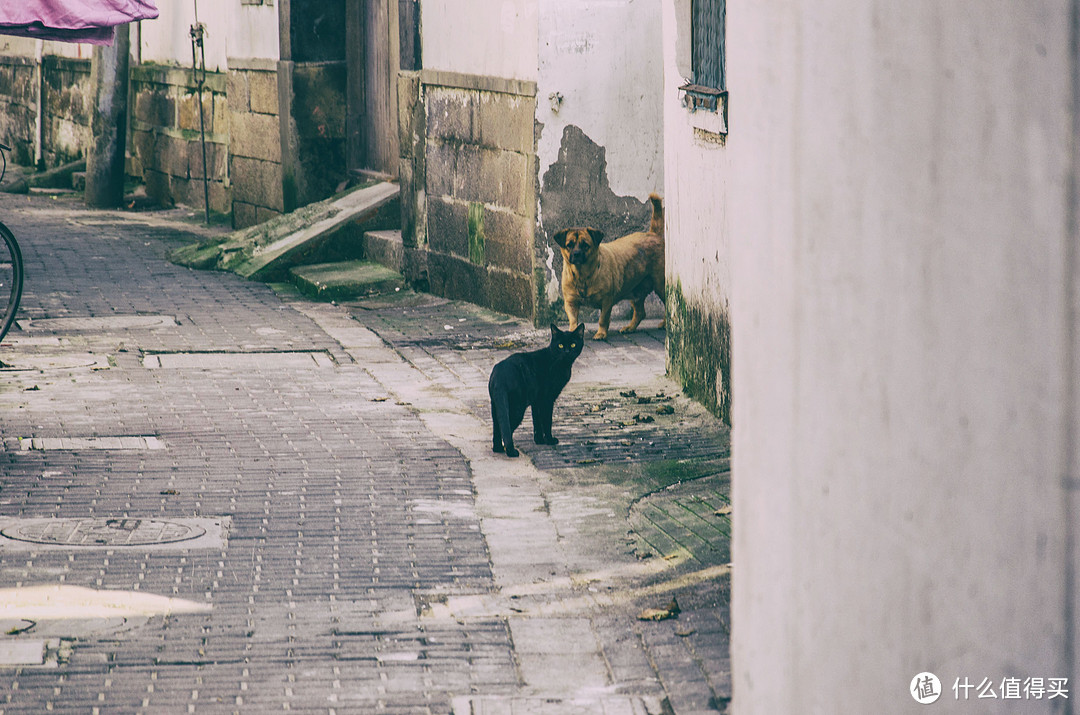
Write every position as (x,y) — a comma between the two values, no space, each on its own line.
(531,379)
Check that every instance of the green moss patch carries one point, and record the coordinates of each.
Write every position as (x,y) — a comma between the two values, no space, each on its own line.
(699,351)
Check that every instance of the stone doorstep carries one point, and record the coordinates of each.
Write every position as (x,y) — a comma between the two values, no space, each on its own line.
(347,279)
(385,248)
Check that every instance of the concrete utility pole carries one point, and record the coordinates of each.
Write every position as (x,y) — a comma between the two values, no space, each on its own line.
(108,123)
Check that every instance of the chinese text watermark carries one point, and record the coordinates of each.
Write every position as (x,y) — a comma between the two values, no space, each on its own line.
(926,688)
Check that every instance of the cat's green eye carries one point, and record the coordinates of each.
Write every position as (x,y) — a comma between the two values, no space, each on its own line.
(573,345)
(560,345)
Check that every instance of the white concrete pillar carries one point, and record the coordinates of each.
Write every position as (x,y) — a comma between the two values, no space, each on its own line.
(904,235)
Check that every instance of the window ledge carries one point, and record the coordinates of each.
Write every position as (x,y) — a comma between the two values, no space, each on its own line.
(707,106)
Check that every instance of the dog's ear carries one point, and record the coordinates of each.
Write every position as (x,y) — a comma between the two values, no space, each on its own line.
(560,237)
(597,236)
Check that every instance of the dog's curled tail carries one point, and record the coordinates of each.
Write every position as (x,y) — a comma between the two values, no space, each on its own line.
(657,224)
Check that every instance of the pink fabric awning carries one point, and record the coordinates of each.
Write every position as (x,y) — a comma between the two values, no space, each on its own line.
(89,21)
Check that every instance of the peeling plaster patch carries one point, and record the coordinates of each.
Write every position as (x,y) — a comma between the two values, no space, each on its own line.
(576,191)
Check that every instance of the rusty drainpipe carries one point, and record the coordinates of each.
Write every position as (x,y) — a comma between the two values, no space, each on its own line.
(198,52)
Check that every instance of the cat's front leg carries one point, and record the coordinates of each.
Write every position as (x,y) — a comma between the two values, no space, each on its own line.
(539,436)
(542,416)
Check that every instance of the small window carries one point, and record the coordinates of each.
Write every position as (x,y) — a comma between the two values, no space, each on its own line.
(707,89)
(707,43)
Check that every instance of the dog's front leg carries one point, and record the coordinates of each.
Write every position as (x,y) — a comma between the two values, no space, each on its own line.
(605,320)
(571,314)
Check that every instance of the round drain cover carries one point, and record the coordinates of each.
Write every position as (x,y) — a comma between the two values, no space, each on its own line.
(102,532)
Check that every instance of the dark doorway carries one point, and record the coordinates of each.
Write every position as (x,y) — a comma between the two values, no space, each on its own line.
(372,56)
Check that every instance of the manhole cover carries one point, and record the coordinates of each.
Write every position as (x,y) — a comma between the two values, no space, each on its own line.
(24,362)
(102,532)
(97,324)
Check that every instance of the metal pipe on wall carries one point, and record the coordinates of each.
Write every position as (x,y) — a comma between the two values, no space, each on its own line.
(198,56)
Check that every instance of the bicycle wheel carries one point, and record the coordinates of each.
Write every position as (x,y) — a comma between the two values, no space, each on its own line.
(11,279)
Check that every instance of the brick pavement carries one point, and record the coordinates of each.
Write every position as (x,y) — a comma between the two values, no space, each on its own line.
(375,559)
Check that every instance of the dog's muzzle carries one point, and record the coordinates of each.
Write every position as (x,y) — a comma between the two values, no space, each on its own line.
(578,258)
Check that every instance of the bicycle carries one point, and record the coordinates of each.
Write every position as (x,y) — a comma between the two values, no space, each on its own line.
(11,266)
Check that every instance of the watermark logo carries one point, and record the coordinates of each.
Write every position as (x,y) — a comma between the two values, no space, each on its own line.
(925,688)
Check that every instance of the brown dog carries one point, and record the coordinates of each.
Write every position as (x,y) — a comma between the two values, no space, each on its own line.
(599,275)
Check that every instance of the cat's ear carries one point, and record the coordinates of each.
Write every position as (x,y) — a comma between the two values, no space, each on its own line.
(560,237)
(597,235)
(580,330)
(554,330)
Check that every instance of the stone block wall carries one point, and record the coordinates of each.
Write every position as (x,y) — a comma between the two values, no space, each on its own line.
(68,98)
(412,136)
(18,107)
(166,148)
(255,142)
(480,189)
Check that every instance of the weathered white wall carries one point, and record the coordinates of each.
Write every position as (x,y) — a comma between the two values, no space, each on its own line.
(697,178)
(232,30)
(601,58)
(252,31)
(490,39)
(905,250)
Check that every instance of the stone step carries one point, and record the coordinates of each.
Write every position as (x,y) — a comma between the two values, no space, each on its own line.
(345,279)
(385,248)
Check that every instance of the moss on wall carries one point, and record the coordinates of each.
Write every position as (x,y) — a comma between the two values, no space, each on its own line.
(699,351)
(476,233)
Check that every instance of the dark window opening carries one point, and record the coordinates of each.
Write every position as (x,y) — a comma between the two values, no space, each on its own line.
(707,43)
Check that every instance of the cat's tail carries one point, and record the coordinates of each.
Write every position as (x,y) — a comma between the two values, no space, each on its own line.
(656,225)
